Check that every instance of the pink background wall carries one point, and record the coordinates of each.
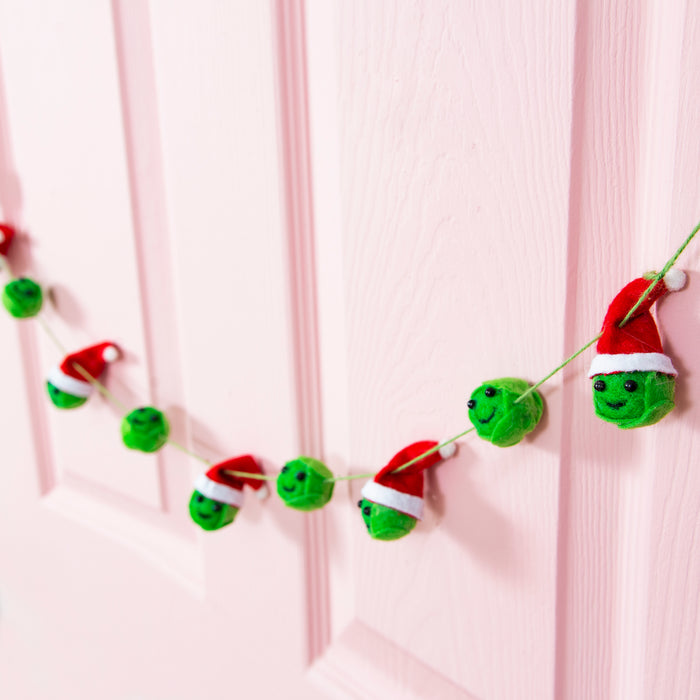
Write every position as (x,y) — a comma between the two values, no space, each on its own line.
(315,226)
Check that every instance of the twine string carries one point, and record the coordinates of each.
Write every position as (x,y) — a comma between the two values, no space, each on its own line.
(188,452)
(100,387)
(654,281)
(425,454)
(349,477)
(5,262)
(571,358)
(52,336)
(80,369)
(433,449)
(103,390)
(247,475)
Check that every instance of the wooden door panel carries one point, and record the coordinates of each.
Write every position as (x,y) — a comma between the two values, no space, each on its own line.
(632,203)
(196,288)
(454,257)
(62,97)
(669,606)
(315,227)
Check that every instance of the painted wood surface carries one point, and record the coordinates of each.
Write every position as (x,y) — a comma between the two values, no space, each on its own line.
(315,226)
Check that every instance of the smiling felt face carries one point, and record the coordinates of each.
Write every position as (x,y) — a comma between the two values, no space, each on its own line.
(145,429)
(496,416)
(633,399)
(384,523)
(62,400)
(22,298)
(210,514)
(304,484)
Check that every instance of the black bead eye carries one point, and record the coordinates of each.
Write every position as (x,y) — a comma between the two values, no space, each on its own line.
(471,403)
(216,507)
(200,498)
(300,476)
(359,503)
(599,385)
(154,418)
(141,410)
(367,510)
(285,469)
(489,391)
(631,385)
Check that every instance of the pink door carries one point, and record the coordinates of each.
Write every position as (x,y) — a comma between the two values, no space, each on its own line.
(314,227)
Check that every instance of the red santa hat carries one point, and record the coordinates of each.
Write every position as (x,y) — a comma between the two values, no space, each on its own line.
(636,347)
(7,234)
(93,360)
(220,486)
(403,491)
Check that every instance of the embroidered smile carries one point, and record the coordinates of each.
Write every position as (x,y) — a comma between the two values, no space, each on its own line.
(484,421)
(288,489)
(617,405)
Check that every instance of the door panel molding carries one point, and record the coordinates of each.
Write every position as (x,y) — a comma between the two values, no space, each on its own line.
(298,195)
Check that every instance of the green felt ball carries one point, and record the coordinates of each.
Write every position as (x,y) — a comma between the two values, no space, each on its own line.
(496,416)
(145,429)
(210,514)
(384,523)
(633,399)
(22,298)
(305,484)
(62,399)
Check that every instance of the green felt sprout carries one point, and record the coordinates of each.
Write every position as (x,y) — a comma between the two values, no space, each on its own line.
(384,523)
(210,514)
(497,417)
(145,429)
(305,484)
(62,399)
(633,399)
(22,298)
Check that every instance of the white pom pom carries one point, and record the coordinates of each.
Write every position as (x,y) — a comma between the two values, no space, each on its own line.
(675,279)
(110,353)
(263,492)
(448,451)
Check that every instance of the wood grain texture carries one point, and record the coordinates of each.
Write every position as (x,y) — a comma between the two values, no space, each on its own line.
(362,664)
(189,194)
(617,505)
(224,157)
(316,226)
(61,104)
(671,653)
(453,125)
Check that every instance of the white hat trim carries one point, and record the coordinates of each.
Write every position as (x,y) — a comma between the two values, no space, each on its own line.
(71,385)
(398,500)
(218,492)
(632,362)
